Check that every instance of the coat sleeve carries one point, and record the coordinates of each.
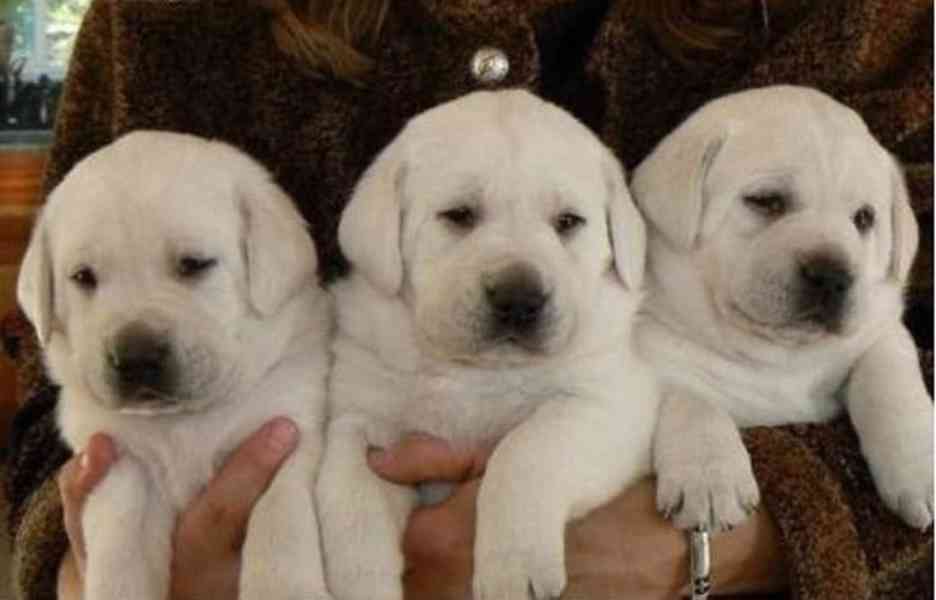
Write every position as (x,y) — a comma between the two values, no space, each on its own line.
(35,451)
(839,538)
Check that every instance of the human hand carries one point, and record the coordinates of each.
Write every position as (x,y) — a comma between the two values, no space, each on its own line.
(627,547)
(439,540)
(622,548)
(208,535)
(76,479)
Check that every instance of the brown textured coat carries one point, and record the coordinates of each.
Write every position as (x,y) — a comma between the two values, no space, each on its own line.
(210,67)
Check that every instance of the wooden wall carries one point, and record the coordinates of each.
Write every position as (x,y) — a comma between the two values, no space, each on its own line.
(20,175)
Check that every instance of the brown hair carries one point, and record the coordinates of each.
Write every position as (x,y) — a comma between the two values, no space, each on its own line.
(697,30)
(328,36)
(333,36)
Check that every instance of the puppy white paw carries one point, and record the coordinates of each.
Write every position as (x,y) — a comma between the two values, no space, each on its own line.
(272,594)
(365,586)
(718,492)
(535,572)
(274,584)
(907,489)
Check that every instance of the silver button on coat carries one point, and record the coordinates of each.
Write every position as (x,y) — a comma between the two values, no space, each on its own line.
(489,65)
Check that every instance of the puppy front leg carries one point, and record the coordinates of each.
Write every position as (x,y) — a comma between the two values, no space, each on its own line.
(128,537)
(893,415)
(362,518)
(558,465)
(281,558)
(704,474)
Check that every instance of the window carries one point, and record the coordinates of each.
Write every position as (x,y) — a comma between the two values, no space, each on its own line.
(36,38)
(44,31)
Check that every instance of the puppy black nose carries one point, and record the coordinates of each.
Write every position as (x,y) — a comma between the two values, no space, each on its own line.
(516,298)
(826,276)
(139,358)
(826,281)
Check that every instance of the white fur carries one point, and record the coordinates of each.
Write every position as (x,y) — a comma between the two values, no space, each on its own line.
(252,335)
(572,425)
(720,320)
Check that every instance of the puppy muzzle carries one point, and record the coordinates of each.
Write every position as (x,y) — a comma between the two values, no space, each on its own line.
(142,368)
(825,282)
(518,305)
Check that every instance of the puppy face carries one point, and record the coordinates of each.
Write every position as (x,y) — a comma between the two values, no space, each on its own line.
(152,265)
(797,217)
(502,217)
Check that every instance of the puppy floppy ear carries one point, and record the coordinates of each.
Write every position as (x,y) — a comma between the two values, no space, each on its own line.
(34,287)
(626,227)
(905,235)
(669,185)
(369,231)
(280,254)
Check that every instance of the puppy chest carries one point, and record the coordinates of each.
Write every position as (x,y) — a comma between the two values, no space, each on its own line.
(466,414)
(766,397)
(466,411)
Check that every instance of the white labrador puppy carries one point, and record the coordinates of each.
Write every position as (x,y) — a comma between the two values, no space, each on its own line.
(780,241)
(497,261)
(173,287)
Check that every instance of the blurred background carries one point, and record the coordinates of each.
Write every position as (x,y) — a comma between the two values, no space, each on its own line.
(36,38)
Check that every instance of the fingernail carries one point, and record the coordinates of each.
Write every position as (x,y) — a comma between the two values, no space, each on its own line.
(281,435)
(83,461)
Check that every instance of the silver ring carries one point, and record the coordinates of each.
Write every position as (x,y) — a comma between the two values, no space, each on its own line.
(700,582)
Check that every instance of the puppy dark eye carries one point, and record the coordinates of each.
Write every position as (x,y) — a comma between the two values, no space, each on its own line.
(192,266)
(568,222)
(85,278)
(768,204)
(462,217)
(864,219)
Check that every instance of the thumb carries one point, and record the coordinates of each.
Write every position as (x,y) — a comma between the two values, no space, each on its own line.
(76,480)
(224,507)
(421,457)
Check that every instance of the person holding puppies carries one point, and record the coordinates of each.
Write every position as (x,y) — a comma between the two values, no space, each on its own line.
(314,90)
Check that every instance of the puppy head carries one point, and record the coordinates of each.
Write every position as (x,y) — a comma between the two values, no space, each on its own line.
(797,216)
(496,217)
(152,267)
